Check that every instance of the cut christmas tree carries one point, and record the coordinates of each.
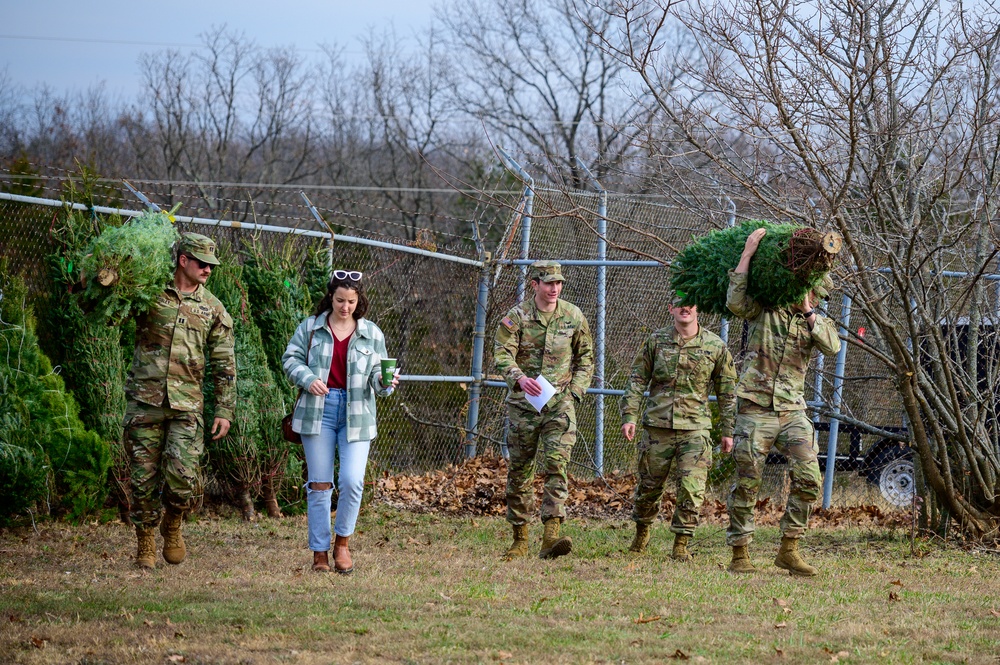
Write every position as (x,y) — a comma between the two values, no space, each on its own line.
(789,262)
(126,267)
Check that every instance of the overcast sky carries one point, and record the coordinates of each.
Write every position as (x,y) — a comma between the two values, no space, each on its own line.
(70,45)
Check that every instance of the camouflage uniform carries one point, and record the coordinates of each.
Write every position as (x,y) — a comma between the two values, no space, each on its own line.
(163,421)
(562,352)
(771,410)
(677,420)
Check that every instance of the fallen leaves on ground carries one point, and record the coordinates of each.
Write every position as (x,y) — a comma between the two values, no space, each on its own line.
(645,619)
(477,487)
(835,657)
(783,604)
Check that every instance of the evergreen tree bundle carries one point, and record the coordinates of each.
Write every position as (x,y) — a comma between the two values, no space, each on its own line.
(789,262)
(45,450)
(236,457)
(23,465)
(91,353)
(317,272)
(126,267)
(281,300)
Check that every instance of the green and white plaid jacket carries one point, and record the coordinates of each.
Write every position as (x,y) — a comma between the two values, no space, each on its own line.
(364,366)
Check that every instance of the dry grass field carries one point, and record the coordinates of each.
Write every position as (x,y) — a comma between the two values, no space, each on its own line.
(432,589)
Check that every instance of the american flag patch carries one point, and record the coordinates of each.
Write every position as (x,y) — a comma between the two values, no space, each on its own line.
(507,323)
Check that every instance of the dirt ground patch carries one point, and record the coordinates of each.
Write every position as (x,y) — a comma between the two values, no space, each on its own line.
(431,588)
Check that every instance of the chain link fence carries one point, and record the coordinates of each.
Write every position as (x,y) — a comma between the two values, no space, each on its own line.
(422,277)
(868,469)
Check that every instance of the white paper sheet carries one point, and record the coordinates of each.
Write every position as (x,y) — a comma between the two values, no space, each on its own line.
(541,400)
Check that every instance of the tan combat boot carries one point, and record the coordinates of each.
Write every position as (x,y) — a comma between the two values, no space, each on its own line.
(642,533)
(741,560)
(789,559)
(519,547)
(680,552)
(173,542)
(145,555)
(552,544)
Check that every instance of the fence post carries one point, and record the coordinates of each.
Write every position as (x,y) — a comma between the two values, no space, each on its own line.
(319,218)
(529,202)
(478,344)
(601,337)
(730,223)
(838,389)
(142,197)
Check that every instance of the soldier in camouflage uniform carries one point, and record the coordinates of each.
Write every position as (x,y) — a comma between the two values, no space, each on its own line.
(544,335)
(679,365)
(771,412)
(163,421)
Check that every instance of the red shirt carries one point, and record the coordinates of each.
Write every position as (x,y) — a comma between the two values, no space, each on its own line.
(338,365)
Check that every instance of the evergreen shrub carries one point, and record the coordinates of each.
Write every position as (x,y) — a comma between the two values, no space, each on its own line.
(45,419)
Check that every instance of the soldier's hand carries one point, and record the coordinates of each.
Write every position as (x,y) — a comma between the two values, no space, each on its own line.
(318,388)
(530,386)
(753,240)
(806,303)
(727,444)
(628,431)
(221,425)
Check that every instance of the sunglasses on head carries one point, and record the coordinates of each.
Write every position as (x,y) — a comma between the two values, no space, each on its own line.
(352,275)
(201,264)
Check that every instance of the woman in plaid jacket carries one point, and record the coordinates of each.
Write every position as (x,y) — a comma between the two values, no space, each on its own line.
(335,357)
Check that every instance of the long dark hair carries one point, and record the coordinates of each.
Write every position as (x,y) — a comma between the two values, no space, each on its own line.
(326,304)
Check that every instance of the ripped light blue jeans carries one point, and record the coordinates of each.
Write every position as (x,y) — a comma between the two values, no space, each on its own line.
(320,450)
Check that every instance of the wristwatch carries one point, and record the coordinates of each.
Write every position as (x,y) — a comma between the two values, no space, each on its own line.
(809,313)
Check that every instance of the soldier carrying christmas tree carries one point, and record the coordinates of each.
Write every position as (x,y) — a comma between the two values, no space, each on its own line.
(163,420)
(771,412)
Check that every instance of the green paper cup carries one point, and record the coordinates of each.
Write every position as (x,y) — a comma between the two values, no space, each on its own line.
(388,370)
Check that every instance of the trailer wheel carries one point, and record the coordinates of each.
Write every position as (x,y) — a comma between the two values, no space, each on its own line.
(892,471)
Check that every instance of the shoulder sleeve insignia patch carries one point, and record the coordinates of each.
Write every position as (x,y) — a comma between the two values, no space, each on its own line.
(507,323)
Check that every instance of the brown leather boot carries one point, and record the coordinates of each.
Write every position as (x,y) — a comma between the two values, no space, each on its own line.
(552,544)
(174,550)
(145,556)
(641,540)
(741,560)
(680,552)
(321,562)
(789,559)
(519,547)
(342,561)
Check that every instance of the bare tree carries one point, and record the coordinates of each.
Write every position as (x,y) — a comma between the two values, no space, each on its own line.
(534,75)
(879,119)
(230,112)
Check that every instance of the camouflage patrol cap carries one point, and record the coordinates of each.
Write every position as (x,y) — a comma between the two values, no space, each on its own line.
(546,271)
(199,246)
(824,287)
